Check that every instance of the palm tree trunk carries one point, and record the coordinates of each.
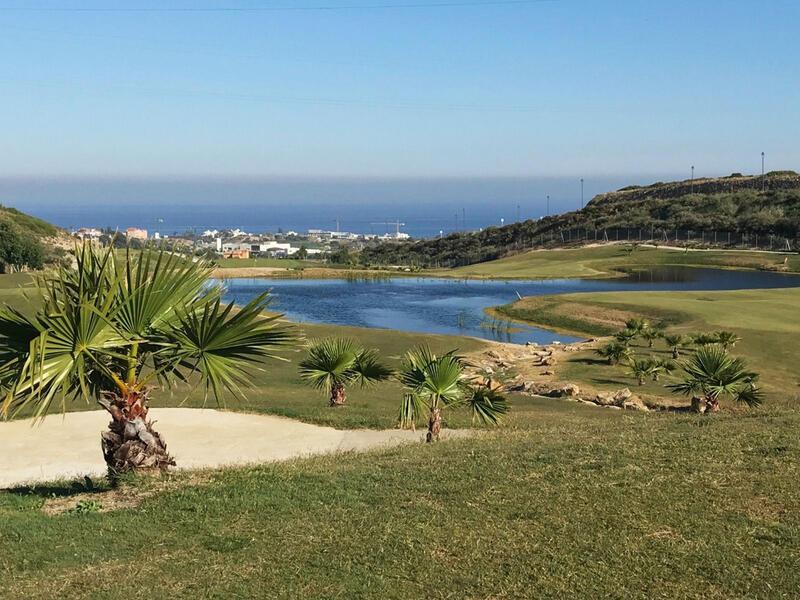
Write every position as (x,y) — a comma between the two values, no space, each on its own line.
(338,397)
(675,353)
(434,425)
(131,443)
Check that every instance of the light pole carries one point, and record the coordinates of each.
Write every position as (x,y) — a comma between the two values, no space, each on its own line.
(692,188)
(548,205)
(762,171)
(581,192)
(502,221)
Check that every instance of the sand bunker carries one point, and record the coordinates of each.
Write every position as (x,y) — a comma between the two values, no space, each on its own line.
(68,446)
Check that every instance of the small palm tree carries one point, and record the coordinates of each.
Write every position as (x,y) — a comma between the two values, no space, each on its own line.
(636,325)
(651,334)
(704,339)
(626,336)
(615,352)
(676,341)
(333,363)
(640,369)
(727,339)
(715,374)
(436,383)
(660,366)
(109,327)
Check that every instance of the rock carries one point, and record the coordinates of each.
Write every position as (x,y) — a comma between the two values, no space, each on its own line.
(571,390)
(621,396)
(634,403)
(531,344)
(489,370)
(556,343)
(493,354)
(549,361)
(542,353)
(547,373)
(699,405)
(605,398)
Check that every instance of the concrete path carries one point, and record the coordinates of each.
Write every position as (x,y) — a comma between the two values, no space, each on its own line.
(68,446)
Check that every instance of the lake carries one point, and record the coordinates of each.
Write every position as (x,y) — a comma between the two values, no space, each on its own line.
(455,306)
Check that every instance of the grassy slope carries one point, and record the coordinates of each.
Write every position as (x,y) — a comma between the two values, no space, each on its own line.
(568,501)
(607,261)
(767,320)
(283,263)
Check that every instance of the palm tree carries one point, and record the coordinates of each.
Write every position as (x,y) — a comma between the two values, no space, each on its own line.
(636,325)
(714,374)
(659,366)
(704,339)
(676,341)
(333,363)
(640,369)
(625,336)
(727,339)
(615,352)
(651,334)
(108,328)
(436,383)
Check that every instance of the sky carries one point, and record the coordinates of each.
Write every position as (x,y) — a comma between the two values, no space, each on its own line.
(397,88)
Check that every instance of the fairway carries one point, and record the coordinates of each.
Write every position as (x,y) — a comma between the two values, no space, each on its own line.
(612,261)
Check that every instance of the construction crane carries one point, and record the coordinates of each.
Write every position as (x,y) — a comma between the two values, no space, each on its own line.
(397,225)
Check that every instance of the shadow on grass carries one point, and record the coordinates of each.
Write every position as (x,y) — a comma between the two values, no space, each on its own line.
(591,361)
(60,490)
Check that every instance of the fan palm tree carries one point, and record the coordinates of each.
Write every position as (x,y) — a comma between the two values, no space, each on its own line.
(108,328)
(727,339)
(436,383)
(636,325)
(615,352)
(676,341)
(651,334)
(625,336)
(333,363)
(659,366)
(704,339)
(715,374)
(641,369)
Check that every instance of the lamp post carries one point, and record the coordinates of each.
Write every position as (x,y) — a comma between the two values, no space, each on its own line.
(762,171)
(502,221)
(692,185)
(581,192)
(548,205)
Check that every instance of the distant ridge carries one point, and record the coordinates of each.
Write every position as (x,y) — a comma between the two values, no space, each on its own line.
(735,211)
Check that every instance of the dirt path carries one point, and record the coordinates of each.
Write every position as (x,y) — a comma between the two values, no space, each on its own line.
(68,446)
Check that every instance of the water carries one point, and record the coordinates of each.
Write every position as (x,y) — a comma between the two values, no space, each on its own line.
(455,306)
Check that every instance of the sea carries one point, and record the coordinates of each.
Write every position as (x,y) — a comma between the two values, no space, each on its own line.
(425,207)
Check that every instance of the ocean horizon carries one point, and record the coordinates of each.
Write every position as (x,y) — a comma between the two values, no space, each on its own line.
(425,206)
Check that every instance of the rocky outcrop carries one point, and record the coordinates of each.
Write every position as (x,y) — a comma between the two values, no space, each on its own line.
(621,399)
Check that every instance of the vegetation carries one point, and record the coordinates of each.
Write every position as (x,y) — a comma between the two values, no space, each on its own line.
(435,383)
(333,363)
(615,352)
(107,329)
(656,213)
(714,374)
(676,341)
(18,251)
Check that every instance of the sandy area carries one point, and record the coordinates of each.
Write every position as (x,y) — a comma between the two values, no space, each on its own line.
(69,446)
(234,272)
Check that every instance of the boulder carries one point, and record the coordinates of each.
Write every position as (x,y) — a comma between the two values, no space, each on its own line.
(621,396)
(548,373)
(699,405)
(604,398)
(549,361)
(493,354)
(571,390)
(634,403)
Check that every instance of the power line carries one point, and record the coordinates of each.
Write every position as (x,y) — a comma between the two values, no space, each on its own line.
(246,9)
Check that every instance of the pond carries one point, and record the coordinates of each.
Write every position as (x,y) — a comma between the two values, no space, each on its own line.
(455,306)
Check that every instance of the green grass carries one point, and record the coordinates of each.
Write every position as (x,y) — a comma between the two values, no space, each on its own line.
(565,502)
(768,321)
(611,261)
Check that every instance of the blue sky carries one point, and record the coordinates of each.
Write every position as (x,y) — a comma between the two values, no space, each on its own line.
(562,89)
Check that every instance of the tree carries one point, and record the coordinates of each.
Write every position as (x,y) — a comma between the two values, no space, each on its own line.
(17,250)
(714,374)
(660,366)
(651,334)
(108,328)
(640,369)
(302,253)
(341,257)
(436,383)
(333,363)
(615,352)
(625,336)
(704,339)
(676,341)
(727,339)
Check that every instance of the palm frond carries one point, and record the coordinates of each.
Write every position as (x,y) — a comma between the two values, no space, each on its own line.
(487,406)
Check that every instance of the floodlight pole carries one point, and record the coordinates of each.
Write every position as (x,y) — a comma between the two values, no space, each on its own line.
(581,192)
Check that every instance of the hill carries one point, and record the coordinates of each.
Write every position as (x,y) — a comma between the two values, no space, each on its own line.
(27,242)
(761,212)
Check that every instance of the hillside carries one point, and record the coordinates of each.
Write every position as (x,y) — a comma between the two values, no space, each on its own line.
(27,242)
(725,212)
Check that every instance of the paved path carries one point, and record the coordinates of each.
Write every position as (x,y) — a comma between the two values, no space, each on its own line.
(68,446)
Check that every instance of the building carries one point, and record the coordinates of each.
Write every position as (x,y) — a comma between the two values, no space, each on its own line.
(135,233)
(88,233)
(237,253)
